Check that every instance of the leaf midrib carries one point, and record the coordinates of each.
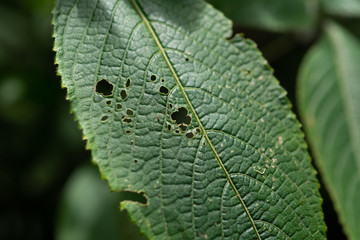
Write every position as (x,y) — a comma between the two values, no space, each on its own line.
(182,90)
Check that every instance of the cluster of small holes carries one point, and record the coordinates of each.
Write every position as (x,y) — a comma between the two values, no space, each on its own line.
(180,116)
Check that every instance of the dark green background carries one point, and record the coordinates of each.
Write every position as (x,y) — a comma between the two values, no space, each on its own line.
(41,145)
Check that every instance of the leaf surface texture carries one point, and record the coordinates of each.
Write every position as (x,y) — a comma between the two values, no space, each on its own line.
(171,108)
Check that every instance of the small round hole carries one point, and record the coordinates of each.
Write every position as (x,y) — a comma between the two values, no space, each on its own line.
(153,78)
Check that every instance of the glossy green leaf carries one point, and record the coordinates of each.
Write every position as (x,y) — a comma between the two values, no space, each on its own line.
(329,86)
(88,211)
(274,15)
(350,8)
(196,122)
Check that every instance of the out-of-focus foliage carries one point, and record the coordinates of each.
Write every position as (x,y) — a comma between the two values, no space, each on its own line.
(88,210)
(329,86)
(39,141)
(274,15)
(346,8)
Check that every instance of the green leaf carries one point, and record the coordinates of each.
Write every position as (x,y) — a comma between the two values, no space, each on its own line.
(88,210)
(348,8)
(275,15)
(329,86)
(196,122)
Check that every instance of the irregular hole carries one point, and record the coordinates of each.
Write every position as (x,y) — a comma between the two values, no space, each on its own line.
(177,131)
(164,90)
(189,135)
(169,127)
(104,118)
(128,83)
(128,131)
(153,78)
(197,130)
(123,95)
(183,127)
(170,106)
(118,106)
(134,197)
(130,112)
(127,120)
(104,87)
(181,116)
(108,102)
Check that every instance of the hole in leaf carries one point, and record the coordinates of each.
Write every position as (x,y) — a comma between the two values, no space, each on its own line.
(197,130)
(183,127)
(170,106)
(204,143)
(123,95)
(134,197)
(104,118)
(164,90)
(128,132)
(162,80)
(181,116)
(108,102)
(135,161)
(177,131)
(128,83)
(127,120)
(187,59)
(118,106)
(130,112)
(169,127)
(153,78)
(248,71)
(104,88)
(189,135)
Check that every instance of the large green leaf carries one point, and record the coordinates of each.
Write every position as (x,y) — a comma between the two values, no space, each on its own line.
(196,122)
(349,8)
(329,87)
(274,15)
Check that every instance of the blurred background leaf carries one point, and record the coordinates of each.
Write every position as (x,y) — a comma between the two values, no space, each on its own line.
(329,86)
(275,15)
(346,8)
(89,211)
